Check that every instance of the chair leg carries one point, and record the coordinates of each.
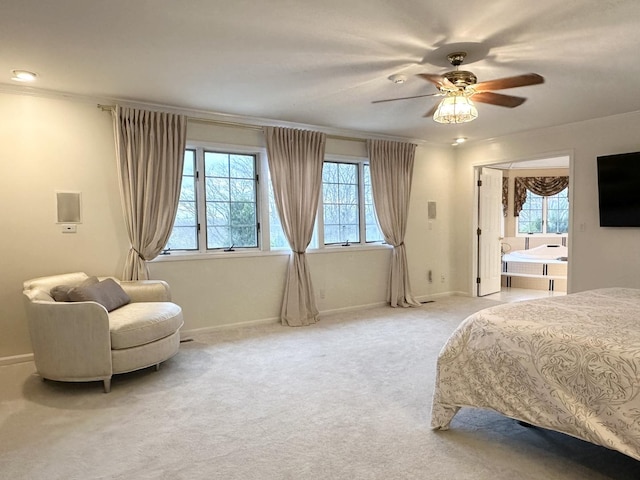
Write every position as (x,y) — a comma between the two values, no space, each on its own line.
(107,385)
(157,367)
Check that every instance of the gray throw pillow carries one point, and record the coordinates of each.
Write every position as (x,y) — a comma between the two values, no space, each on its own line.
(60,293)
(107,293)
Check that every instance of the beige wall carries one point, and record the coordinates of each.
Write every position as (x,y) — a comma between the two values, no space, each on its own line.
(57,143)
(46,145)
(599,257)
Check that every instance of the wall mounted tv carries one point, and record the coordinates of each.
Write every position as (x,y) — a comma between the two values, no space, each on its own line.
(619,190)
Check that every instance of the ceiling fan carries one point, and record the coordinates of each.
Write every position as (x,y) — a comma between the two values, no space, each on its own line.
(460,86)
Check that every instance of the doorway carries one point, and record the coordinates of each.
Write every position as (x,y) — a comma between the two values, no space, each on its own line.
(526,254)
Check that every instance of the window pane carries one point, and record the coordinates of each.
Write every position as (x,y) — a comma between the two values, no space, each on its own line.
(348,194)
(558,212)
(243,236)
(332,234)
(348,173)
(530,219)
(242,166)
(277,238)
(218,213)
(372,230)
(242,190)
(183,238)
(331,214)
(216,164)
(349,215)
(330,193)
(186,215)
(188,189)
(184,235)
(189,162)
(218,237)
(330,172)
(350,233)
(242,214)
(217,189)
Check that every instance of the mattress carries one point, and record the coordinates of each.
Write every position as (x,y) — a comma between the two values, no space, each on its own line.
(569,364)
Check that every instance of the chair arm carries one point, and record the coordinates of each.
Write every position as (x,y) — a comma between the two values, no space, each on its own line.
(147,290)
(71,341)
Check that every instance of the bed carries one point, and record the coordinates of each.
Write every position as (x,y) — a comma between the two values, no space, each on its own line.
(567,363)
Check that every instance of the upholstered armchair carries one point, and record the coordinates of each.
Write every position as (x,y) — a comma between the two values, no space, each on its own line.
(99,327)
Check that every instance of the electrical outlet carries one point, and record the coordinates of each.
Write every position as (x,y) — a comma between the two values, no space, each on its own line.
(322,294)
(442,278)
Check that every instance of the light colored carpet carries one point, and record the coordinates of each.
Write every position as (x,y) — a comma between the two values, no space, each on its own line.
(347,398)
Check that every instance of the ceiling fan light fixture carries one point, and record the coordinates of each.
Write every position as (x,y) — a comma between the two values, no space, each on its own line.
(455,109)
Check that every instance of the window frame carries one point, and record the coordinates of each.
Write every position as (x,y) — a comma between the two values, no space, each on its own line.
(261,200)
(318,240)
(545,220)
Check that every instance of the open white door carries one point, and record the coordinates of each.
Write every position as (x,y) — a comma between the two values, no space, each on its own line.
(489,225)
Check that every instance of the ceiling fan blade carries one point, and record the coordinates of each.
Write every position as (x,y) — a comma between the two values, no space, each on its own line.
(407,98)
(499,99)
(510,82)
(432,111)
(438,80)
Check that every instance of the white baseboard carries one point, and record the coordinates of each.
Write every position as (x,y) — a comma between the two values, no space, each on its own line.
(271,320)
(249,323)
(184,334)
(26,357)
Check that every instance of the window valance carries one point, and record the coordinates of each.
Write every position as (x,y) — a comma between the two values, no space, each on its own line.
(543,186)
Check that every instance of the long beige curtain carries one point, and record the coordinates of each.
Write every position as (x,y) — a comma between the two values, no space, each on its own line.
(150,155)
(391,166)
(295,165)
(543,186)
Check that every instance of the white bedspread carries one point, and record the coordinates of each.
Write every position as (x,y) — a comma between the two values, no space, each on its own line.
(570,364)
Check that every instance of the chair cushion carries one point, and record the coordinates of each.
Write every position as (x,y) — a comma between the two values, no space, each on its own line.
(144,322)
(60,293)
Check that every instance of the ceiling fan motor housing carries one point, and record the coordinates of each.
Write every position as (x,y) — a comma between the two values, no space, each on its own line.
(461,78)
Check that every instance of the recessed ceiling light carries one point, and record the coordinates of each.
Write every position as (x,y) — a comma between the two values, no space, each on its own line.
(398,78)
(461,139)
(23,76)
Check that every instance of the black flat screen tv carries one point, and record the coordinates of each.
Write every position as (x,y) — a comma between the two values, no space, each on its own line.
(619,190)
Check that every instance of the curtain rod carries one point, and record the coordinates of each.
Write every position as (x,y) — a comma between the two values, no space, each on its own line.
(248,126)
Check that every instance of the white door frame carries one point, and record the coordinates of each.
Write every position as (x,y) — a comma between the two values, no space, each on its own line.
(492,164)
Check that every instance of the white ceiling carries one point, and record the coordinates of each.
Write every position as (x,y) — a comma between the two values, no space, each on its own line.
(323,62)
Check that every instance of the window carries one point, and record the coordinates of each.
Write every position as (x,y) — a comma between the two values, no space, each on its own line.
(218,209)
(544,215)
(340,203)
(222,204)
(348,214)
(230,199)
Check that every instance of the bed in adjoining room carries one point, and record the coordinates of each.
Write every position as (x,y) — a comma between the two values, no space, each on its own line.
(569,364)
